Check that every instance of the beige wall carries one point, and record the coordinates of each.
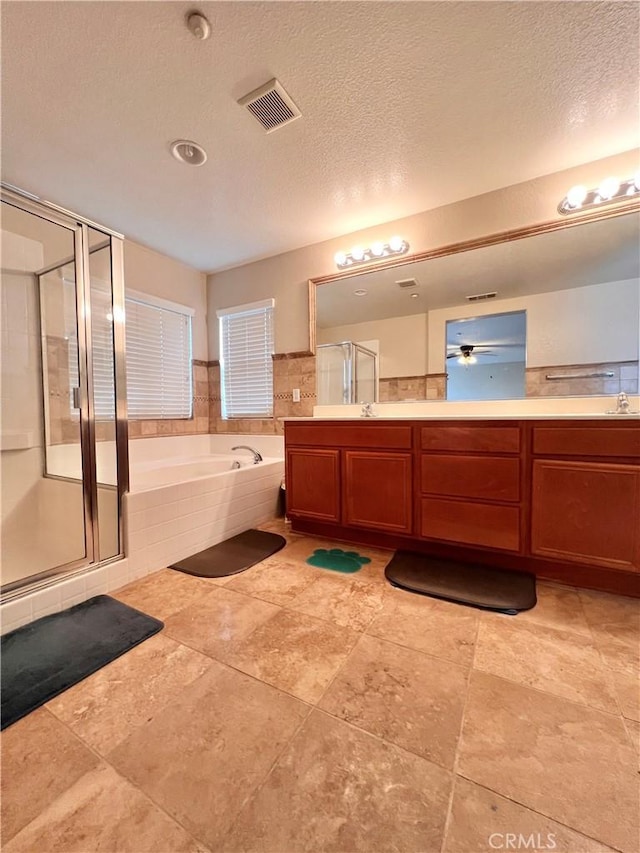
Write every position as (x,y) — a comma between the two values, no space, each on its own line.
(579,326)
(284,277)
(402,342)
(150,272)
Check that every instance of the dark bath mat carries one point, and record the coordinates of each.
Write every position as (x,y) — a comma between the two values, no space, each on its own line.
(232,556)
(465,583)
(44,658)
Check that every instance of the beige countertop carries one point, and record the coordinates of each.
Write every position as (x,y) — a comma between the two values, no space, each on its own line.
(458,417)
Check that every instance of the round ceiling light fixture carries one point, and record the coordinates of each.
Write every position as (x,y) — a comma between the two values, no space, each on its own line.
(360,292)
(198,26)
(189,152)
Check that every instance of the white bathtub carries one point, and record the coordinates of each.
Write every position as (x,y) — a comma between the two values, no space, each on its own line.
(150,475)
(181,505)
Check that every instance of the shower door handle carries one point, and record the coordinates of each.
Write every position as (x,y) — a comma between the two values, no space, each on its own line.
(76,398)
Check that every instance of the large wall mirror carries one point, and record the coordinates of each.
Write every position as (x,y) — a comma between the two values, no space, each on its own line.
(555,313)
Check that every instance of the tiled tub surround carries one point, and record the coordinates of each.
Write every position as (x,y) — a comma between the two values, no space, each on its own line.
(432,386)
(290,370)
(198,424)
(171,520)
(625,378)
(289,709)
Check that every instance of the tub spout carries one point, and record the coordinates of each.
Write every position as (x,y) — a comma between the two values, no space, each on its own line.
(257,457)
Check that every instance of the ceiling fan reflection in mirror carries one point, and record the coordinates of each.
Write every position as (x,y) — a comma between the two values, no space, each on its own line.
(466,354)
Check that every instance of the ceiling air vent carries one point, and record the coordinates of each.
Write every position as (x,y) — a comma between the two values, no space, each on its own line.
(271,106)
(407,282)
(480,297)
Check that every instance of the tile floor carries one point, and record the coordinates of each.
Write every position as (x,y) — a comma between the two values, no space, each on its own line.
(293,710)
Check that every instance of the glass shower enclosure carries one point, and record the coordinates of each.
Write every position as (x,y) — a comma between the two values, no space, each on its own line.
(347,373)
(63,452)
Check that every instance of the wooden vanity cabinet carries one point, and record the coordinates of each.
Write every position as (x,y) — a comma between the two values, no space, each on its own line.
(585,500)
(558,498)
(470,484)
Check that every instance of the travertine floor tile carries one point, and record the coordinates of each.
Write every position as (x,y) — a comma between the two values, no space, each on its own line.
(218,623)
(40,760)
(482,822)
(201,758)
(339,789)
(557,607)
(627,689)
(102,811)
(439,628)
(274,580)
(296,653)
(107,706)
(560,662)
(165,592)
(615,623)
(567,761)
(403,696)
(342,600)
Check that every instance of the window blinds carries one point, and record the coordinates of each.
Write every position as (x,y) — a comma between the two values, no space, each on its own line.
(246,364)
(158,361)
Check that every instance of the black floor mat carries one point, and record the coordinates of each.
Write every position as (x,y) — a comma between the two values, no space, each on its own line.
(465,583)
(44,658)
(233,556)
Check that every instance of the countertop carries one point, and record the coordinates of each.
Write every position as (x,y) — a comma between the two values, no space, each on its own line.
(452,417)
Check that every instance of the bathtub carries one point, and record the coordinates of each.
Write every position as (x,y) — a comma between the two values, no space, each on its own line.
(181,505)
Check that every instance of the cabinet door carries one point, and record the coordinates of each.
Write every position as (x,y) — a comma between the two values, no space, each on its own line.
(586,512)
(377,490)
(313,484)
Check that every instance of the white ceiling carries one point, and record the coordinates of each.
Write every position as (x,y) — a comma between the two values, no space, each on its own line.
(572,257)
(406,106)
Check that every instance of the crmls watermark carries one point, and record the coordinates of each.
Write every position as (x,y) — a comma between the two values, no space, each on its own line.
(519,841)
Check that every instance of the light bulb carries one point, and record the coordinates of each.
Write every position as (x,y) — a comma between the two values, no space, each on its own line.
(340,258)
(396,244)
(576,196)
(608,188)
(357,253)
(377,249)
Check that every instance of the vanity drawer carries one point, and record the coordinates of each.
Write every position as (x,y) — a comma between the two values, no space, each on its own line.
(587,441)
(463,438)
(469,523)
(336,434)
(486,477)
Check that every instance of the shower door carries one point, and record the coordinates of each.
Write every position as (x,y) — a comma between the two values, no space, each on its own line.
(63,454)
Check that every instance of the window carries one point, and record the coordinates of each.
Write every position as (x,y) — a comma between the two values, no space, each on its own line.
(159,383)
(246,363)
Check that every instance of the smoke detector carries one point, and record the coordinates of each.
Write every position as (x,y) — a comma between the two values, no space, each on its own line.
(404,283)
(480,297)
(271,106)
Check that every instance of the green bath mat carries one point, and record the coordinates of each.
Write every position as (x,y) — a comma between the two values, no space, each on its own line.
(337,560)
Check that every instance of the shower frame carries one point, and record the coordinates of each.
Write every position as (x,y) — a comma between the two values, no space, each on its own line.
(79,227)
(350,376)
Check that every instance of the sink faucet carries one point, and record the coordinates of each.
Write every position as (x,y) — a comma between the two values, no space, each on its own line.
(367,411)
(257,457)
(623,407)
(623,404)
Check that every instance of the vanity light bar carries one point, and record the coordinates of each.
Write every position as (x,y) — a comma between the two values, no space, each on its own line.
(610,191)
(374,252)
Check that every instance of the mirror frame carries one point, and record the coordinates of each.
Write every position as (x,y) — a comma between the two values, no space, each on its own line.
(632,206)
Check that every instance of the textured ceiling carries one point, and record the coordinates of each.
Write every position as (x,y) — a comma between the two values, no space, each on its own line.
(406,107)
(572,257)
